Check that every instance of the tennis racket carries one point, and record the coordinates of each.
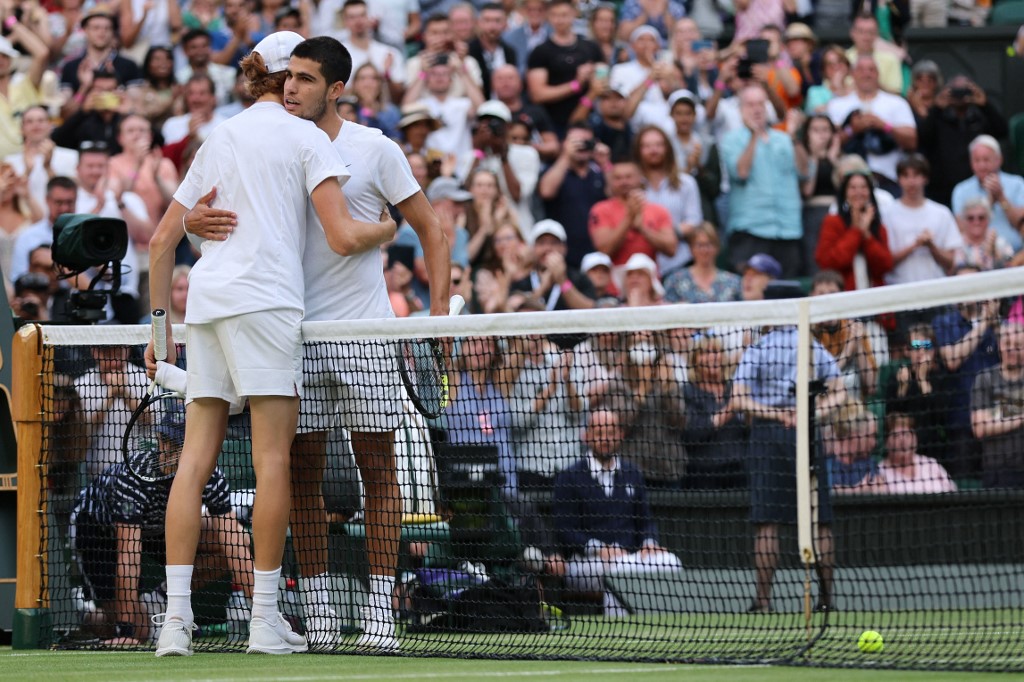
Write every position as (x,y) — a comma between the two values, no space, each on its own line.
(152,442)
(422,364)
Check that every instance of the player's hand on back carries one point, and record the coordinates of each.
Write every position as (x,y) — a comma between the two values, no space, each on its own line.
(208,222)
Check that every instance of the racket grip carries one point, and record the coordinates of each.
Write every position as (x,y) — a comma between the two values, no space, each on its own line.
(159,334)
(455,305)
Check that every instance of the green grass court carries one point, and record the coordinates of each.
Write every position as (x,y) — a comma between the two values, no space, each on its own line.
(938,641)
(142,667)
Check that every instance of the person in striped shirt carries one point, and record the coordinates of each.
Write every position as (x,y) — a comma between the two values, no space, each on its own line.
(119,518)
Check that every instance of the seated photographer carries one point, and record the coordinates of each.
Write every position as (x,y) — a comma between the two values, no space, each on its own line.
(119,517)
(875,124)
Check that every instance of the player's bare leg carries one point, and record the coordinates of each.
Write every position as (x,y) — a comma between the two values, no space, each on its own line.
(205,425)
(274,419)
(309,536)
(375,456)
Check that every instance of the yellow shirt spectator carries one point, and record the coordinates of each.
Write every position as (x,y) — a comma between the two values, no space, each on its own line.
(18,91)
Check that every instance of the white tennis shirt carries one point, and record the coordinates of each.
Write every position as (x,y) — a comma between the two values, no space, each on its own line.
(353,288)
(264,163)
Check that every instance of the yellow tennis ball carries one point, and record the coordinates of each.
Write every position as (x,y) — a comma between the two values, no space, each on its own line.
(870,642)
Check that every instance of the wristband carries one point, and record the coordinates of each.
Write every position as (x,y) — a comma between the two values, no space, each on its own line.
(10,21)
(887,128)
(587,102)
(565,286)
(183,228)
(720,85)
(575,86)
(648,83)
(478,154)
(125,630)
(423,75)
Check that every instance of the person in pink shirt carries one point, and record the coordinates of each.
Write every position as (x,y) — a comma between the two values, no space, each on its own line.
(627,223)
(904,472)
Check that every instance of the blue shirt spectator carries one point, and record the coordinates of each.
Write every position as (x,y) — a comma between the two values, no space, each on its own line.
(766,203)
(768,368)
(632,10)
(1013,191)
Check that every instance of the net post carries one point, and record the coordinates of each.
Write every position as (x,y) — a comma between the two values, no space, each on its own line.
(804,519)
(30,602)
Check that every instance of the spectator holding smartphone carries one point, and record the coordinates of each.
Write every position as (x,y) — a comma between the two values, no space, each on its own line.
(961,113)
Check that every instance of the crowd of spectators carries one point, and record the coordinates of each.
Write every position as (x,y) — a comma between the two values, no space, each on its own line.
(586,155)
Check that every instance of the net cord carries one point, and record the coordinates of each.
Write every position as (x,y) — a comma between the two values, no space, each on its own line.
(865,303)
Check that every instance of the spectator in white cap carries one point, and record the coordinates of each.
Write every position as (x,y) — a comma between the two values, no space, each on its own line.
(696,153)
(642,70)
(18,95)
(517,166)
(1005,192)
(551,283)
(640,283)
(597,267)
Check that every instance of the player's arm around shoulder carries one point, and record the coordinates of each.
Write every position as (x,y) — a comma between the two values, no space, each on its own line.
(345,235)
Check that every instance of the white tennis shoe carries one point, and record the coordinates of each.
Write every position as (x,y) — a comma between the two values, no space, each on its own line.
(321,626)
(378,632)
(175,636)
(274,637)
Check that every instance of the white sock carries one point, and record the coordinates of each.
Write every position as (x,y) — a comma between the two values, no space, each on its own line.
(264,594)
(179,593)
(315,590)
(381,589)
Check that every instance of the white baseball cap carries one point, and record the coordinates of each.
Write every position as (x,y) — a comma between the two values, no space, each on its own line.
(641,261)
(7,49)
(276,49)
(496,109)
(548,226)
(594,260)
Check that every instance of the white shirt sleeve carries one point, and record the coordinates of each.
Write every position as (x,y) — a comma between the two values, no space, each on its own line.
(320,161)
(395,181)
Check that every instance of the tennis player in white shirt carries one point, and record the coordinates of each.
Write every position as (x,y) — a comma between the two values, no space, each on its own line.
(245,308)
(355,386)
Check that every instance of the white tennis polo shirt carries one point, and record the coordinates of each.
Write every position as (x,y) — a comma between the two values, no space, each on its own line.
(353,288)
(264,163)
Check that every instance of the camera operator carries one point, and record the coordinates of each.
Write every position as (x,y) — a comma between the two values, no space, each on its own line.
(570,187)
(517,166)
(31,297)
(961,112)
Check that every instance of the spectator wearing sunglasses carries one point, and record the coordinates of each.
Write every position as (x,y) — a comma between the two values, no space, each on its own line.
(920,388)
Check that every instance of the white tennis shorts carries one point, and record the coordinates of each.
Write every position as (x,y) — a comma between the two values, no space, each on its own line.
(246,355)
(351,384)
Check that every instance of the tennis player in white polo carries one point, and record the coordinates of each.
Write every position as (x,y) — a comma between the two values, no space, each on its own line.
(245,308)
(351,385)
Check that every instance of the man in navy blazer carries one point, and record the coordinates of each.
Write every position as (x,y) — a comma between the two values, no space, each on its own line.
(602,517)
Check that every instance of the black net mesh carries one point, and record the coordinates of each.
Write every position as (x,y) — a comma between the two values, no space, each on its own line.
(621,495)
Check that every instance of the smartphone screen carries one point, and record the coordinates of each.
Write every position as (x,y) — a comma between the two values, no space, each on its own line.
(757,51)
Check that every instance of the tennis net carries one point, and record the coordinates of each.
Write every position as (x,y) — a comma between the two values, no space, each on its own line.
(740,483)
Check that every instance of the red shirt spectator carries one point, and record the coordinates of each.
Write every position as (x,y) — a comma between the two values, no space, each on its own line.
(627,223)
